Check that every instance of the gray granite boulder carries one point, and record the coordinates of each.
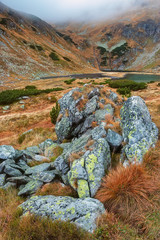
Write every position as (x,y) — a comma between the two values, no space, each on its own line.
(7,152)
(12,171)
(139,132)
(30,188)
(39,168)
(19,180)
(45,145)
(82,212)
(45,177)
(114,139)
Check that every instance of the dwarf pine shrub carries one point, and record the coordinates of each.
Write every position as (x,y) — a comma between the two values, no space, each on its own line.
(54,113)
(124,91)
(54,56)
(10,96)
(134,86)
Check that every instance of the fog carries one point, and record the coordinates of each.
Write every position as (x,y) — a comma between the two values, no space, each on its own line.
(58,11)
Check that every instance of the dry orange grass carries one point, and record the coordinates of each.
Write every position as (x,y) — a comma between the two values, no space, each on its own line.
(76,95)
(151,160)
(82,103)
(89,144)
(9,201)
(59,117)
(127,190)
(94,124)
(101,106)
(74,156)
(110,121)
(56,189)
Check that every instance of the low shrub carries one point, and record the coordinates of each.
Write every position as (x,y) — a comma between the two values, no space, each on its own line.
(39,48)
(134,86)
(54,113)
(53,99)
(158,84)
(124,91)
(30,87)
(67,59)
(21,138)
(69,81)
(32,46)
(54,56)
(10,96)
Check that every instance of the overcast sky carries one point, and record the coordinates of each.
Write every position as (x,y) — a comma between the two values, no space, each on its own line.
(75,10)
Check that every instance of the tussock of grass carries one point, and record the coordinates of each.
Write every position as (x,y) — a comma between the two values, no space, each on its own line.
(32,227)
(9,201)
(126,190)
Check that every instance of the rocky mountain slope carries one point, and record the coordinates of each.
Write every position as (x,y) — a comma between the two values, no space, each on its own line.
(31,47)
(129,42)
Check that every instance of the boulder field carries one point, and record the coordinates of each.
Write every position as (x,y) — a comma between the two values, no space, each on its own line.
(92,124)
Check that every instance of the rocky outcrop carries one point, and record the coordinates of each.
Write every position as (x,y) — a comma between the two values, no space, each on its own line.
(15,171)
(83,212)
(85,169)
(78,110)
(87,119)
(139,132)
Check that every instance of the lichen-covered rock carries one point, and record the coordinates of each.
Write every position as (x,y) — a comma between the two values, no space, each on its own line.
(7,152)
(100,114)
(88,171)
(30,188)
(113,96)
(96,163)
(39,168)
(82,212)
(45,144)
(139,132)
(45,177)
(12,171)
(19,180)
(30,152)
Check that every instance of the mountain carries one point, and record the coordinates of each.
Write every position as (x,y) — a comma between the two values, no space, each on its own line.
(31,48)
(128,42)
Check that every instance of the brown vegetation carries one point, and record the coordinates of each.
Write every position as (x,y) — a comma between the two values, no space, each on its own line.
(57,189)
(75,155)
(126,192)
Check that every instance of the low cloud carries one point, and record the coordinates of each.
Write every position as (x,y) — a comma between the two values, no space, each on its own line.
(75,10)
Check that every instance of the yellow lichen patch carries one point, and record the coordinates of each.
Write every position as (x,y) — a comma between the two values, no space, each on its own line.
(83,189)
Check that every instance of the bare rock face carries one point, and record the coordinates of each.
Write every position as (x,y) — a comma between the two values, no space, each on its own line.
(139,132)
